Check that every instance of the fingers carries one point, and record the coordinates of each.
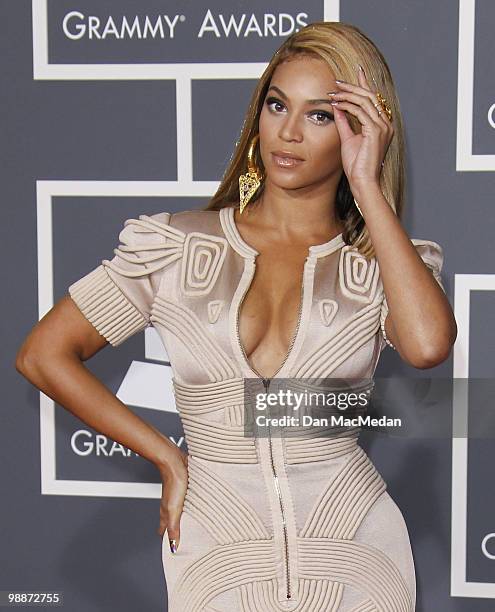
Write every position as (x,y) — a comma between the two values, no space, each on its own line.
(358,109)
(342,124)
(361,107)
(171,524)
(170,513)
(362,96)
(173,529)
(372,97)
(174,489)
(163,522)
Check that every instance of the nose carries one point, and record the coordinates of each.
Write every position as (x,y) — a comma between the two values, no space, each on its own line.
(290,130)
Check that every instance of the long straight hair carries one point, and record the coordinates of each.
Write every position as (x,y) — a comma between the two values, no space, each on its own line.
(342,46)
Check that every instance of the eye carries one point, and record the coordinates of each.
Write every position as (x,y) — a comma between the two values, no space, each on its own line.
(327,117)
(323,117)
(271,101)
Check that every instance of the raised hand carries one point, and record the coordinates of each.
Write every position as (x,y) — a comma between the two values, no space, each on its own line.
(362,153)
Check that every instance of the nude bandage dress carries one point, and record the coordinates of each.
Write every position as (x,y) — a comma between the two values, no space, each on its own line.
(269,523)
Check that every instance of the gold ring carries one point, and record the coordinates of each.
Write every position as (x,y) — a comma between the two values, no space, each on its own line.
(383,103)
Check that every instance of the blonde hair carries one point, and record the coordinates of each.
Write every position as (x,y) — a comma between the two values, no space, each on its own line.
(342,46)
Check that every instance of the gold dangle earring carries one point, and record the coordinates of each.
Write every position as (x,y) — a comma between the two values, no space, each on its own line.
(249,182)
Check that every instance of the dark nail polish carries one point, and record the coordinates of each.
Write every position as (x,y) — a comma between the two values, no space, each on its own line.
(173,545)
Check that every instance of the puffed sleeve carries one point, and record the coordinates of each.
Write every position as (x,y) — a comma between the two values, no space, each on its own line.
(432,255)
(117,295)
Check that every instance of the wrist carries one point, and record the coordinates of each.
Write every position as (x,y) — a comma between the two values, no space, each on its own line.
(362,191)
(172,469)
(170,462)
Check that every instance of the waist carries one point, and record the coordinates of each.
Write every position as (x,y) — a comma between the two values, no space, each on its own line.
(218,426)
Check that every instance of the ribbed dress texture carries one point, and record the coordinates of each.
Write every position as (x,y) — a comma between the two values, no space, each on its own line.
(270,523)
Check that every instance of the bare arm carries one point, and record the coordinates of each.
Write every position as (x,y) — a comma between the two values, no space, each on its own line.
(420,322)
(52,357)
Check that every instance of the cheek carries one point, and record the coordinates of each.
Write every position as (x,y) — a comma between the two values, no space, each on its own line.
(325,151)
(264,122)
(265,129)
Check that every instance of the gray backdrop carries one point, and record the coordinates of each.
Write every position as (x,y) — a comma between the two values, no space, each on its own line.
(87,134)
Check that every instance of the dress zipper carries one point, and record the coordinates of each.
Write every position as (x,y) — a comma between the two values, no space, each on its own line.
(266,383)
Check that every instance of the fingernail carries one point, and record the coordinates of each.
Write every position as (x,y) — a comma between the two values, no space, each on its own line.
(173,545)
(332,93)
(338,81)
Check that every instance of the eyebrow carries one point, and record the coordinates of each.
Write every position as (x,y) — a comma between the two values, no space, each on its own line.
(282,95)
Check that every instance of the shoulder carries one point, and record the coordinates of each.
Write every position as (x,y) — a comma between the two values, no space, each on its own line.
(186,221)
(145,230)
(201,229)
(166,226)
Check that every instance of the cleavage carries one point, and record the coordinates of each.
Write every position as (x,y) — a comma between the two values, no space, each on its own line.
(269,311)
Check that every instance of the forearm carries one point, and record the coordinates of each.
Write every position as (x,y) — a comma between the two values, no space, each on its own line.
(421,334)
(67,381)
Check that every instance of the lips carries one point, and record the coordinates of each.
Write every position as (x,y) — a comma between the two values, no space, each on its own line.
(287,154)
(286,159)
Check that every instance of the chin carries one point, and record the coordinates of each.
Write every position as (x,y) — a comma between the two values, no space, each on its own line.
(290,183)
(283,177)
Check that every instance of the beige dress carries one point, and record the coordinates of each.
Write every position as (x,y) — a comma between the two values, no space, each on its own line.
(269,523)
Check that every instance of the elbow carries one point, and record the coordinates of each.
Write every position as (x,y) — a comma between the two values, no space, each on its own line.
(431,360)
(30,358)
(19,364)
(438,350)
(21,360)
(25,362)
(433,355)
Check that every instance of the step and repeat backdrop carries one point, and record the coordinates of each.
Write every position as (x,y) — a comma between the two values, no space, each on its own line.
(119,108)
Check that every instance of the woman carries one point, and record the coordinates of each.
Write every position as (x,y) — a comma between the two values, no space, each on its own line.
(282,275)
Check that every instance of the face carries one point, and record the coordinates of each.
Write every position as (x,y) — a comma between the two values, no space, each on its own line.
(297,118)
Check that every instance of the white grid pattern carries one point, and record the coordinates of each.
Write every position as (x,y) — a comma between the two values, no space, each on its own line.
(464,284)
(459,586)
(465,160)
